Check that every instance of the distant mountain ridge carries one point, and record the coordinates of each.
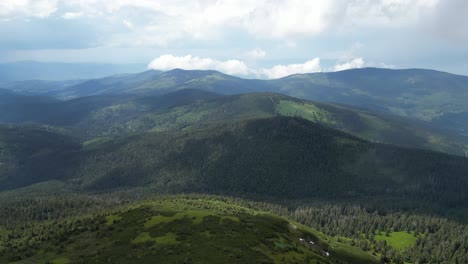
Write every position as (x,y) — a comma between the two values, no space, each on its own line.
(436,97)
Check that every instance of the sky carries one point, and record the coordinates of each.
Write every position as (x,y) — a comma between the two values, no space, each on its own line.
(248,38)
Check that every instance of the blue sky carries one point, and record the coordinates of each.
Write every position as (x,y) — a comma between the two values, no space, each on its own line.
(250,38)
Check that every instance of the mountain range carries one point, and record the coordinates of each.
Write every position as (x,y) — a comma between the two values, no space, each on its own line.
(435,97)
(394,141)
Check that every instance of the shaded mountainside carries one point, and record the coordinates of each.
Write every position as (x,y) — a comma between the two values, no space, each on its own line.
(278,157)
(29,155)
(178,230)
(99,117)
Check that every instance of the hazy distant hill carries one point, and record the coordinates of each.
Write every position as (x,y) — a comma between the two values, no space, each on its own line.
(31,70)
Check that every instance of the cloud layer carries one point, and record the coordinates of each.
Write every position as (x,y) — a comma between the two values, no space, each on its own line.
(271,35)
(171,20)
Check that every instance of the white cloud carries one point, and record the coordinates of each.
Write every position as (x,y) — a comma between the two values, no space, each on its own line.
(188,62)
(27,8)
(72,15)
(280,71)
(256,53)
(352,64)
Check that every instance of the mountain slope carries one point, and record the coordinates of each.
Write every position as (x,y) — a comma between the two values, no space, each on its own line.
(29,155)
(279,157)
(117,115)
(178,230)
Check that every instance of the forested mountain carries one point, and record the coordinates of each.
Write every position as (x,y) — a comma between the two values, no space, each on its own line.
(94,117)
(278,157)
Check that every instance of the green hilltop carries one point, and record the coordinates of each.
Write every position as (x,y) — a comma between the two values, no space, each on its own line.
(184,230)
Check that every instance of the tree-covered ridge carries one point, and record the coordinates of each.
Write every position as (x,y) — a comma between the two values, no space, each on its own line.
(100,117)
(280,157)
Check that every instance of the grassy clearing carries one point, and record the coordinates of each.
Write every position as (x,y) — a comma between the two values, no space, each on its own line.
(398,240)
(306,111)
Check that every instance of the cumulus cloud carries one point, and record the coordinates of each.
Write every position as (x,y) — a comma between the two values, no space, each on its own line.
(189,62)
(280,71)
(256,53)
(352,64)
